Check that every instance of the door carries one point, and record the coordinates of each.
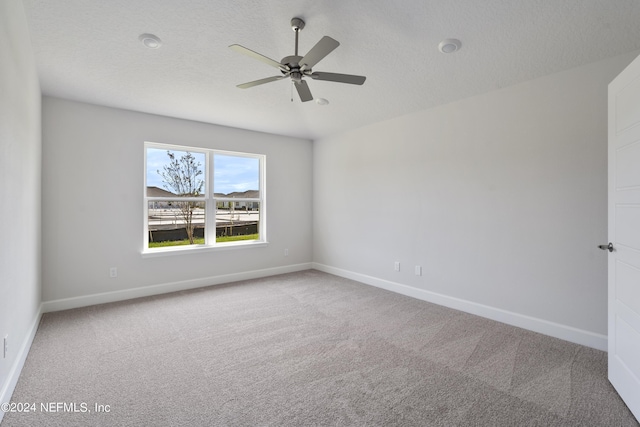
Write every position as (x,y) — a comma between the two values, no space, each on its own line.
(624,234)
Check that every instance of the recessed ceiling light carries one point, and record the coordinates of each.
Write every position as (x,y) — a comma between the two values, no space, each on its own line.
(151,41)
(322,101)
(449,45)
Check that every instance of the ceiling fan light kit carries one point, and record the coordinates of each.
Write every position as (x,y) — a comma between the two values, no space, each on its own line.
(298,67)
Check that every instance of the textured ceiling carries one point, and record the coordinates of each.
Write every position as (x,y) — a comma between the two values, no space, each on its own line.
(88,50)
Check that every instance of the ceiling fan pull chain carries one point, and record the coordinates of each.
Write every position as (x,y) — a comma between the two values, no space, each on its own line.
(291,90)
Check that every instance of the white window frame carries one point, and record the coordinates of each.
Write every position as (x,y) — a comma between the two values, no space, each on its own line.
(210,201)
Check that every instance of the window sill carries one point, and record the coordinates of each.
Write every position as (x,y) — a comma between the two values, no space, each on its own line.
(183,250)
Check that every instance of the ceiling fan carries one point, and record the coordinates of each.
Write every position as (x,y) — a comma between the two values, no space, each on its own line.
(297,67)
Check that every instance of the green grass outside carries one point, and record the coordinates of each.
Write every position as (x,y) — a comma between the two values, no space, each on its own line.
(200,241)
(236,238)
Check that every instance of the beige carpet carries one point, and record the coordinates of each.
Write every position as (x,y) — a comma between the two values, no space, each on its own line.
(305,349)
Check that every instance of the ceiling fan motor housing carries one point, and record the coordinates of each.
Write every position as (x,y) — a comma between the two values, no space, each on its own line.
(293,62)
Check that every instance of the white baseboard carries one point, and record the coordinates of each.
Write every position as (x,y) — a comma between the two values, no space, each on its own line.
(557,330)
(145,291)
(9,384)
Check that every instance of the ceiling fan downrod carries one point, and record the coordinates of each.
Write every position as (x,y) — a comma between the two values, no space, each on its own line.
(297,24)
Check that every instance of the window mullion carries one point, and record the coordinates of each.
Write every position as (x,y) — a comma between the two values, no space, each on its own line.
(210,226)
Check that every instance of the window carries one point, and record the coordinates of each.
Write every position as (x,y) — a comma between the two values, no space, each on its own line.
(199,198)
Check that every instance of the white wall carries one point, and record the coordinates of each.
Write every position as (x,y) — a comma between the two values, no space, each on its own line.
(501,198)
(20,151)
(93,213)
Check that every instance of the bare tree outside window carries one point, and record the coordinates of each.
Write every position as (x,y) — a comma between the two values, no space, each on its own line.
(182,176)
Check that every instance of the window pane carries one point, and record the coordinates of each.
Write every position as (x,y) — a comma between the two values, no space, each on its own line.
(175,173)
(236,176)
(176,223)
(237,221)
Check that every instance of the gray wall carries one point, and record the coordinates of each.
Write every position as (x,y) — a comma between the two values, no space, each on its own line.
(93,183)
(20,150)
(500,198)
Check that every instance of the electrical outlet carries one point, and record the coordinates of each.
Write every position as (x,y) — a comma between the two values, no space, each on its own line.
(396,266)
(418,270)
(286,252)
(5,346)
(113,272)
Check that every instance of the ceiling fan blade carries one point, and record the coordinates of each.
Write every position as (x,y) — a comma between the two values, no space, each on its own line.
(303,90)
(261,81)
(259,57)
(340,78)
(324,47)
